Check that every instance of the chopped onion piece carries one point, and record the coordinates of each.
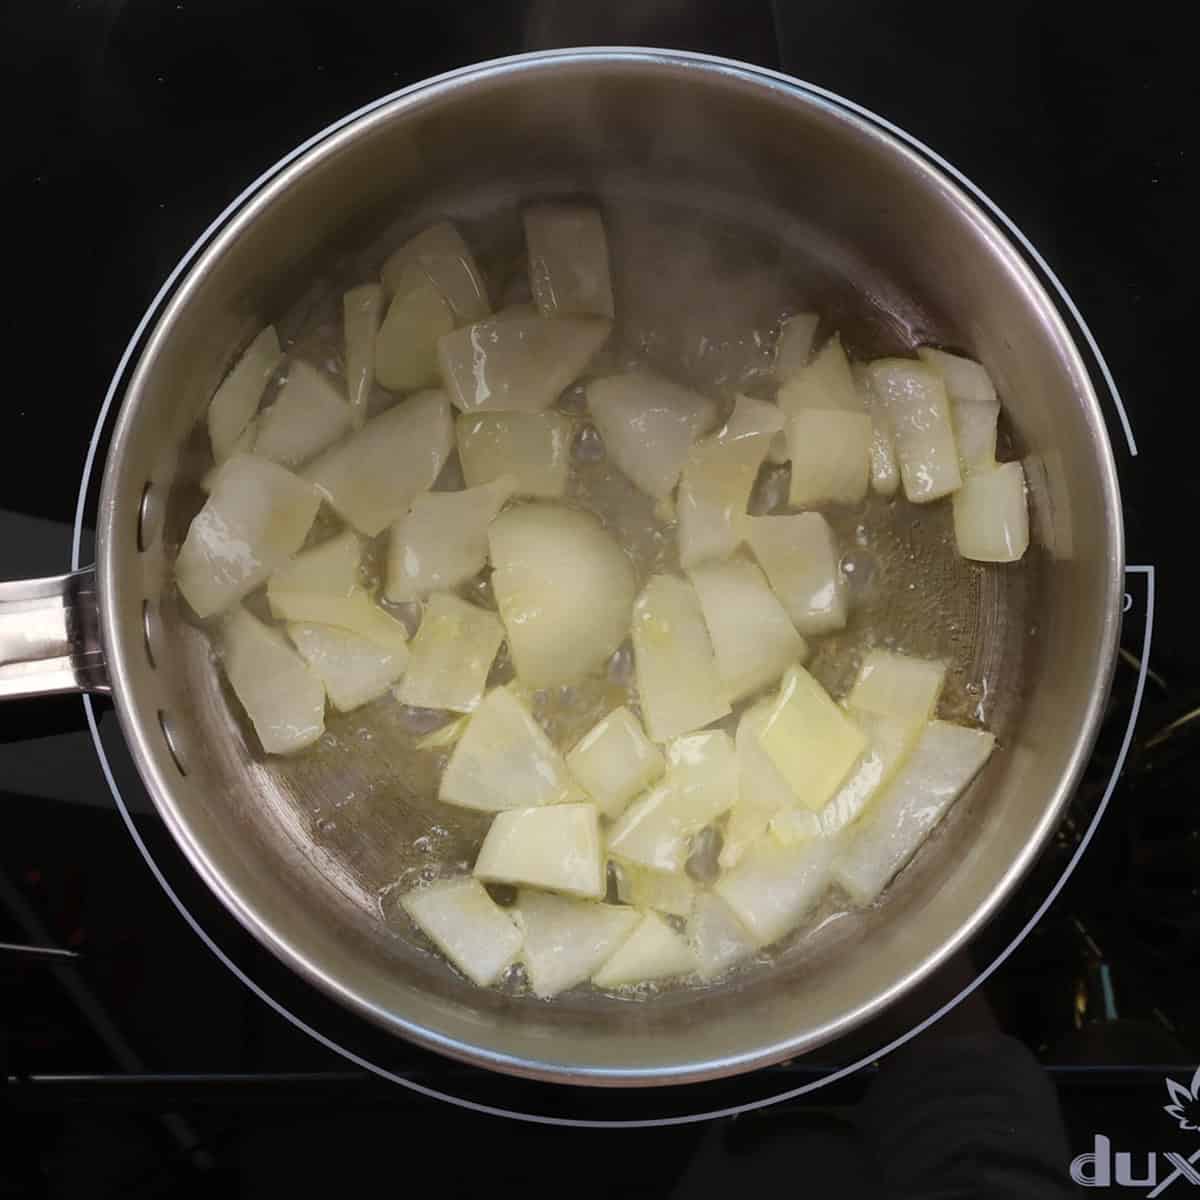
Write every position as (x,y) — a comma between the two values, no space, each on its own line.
(825,384)
(653,951)
(897,685)
(614,761)
(665,891)
(282,697)
(442,540)
(568,260)
(831,457)
(762,790)
(353,669)
(533,448)
(701,784)
(373,477)
(885,470)
(975,430)
(451,655)
(753,639)
(446,259)
(362,311)
(505,760)
(793,349)
(512,312)
(718,939)
(329,570)
(566,939)
(518,364)
(648,425)
(945,759)
(991,516)
(890,740)
(810,739)
(702,768)
(557,847)
(256,516)
(564,588)
(718,478)
(965,379)
(678,683)
(915,401)
(235,401)
(308,415)
(800,556)
(406,346)
(651,831)
(974,405)
(467,926)
(774,886)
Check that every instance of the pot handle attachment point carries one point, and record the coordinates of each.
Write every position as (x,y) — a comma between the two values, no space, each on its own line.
(50,637)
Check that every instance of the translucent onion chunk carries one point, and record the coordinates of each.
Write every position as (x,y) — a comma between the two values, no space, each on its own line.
(679,686)
(831,457)
(991,516)
(451,655)
(811,741)
(568,260)
(373,477)
(308,415)
(321,586)
(566,939)
(442,540)
(406,346)
(505,760)
(975,406)
(899,685)
(444,257)
(235,401)
(614,761)
(824,384)
(890,740)
(762,790)
(362,311)
(284,700)
(944,761)
(257,515)
(753,638)
(800,557)
(648,425)
(774,887)
(885,469)
(557,847)
(793,349)
(915,400)
(653,951)
(467,926)
(533,448)
(664,891)
(354,669)
(564,589)
(518,364)
(718,938)
(701,784)
(717,479)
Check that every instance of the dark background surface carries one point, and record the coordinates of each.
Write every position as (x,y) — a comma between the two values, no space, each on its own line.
(131,124)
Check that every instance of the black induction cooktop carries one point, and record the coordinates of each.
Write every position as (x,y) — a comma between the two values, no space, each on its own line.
(148,1046)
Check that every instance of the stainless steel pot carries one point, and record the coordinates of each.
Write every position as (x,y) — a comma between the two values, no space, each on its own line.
(905,254)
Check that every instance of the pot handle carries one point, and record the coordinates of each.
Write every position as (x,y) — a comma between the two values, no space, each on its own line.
(50,637)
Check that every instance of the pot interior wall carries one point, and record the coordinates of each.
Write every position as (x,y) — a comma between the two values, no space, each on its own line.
(729,199)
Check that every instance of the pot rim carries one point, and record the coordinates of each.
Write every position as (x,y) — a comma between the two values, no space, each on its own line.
(246,208)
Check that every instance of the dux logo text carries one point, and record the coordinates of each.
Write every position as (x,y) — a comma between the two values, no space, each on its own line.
(1155,1170)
